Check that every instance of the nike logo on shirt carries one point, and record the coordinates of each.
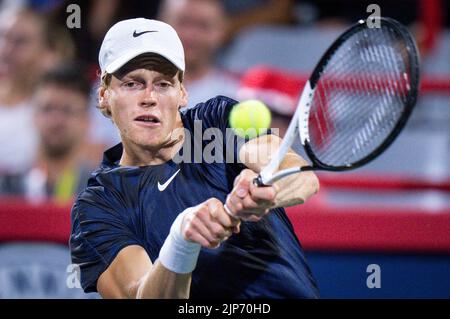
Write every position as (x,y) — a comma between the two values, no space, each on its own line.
(162,187)
(138,34)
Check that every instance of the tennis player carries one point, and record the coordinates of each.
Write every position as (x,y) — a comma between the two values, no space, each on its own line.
(151,226)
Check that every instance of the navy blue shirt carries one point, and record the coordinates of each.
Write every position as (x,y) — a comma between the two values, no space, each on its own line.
(123,206)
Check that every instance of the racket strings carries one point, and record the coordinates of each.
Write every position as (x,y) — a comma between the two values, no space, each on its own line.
(330,86)
(360,96)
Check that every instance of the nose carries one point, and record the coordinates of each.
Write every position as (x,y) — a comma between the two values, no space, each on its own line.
(148,98)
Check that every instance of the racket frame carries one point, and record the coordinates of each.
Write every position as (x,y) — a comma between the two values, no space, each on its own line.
(300,120)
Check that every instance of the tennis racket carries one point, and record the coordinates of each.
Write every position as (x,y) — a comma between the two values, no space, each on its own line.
(356,102)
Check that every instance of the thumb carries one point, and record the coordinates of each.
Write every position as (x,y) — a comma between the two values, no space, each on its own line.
(214,205)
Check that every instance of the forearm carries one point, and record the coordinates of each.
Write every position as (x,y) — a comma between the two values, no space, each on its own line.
(161,283)
(170,276)
(133,275)
(291,190)
(295,189)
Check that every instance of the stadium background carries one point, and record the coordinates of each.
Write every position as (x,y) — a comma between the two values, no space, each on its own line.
(394,213)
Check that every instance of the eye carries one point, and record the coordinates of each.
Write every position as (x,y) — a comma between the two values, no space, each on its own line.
(132,85)
(163,84)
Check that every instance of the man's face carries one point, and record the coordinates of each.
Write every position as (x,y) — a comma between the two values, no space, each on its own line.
(21,46)
(144,105)
(61,117)
(200,26)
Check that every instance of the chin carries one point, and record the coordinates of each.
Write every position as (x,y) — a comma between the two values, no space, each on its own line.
(149,140)
(149,143)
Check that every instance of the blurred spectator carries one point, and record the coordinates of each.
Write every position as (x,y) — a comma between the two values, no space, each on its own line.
(62,119)
(245,14)
(11,4)
(29,45)
(277,89)
(39,5)
(97,16)
(201,25)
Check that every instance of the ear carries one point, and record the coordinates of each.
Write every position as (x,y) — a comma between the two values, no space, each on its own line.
(184,96)
(103,99)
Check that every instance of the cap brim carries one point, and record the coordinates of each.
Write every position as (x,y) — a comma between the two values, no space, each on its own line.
(125,58)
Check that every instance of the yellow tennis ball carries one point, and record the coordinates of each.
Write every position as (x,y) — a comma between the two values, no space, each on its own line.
(250,118)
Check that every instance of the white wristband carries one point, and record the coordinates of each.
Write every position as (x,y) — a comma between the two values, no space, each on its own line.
(178,254)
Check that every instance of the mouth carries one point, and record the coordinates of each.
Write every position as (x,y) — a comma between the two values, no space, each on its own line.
(148,120)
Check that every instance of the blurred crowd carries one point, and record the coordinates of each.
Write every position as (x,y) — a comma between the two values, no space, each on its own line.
(51,134)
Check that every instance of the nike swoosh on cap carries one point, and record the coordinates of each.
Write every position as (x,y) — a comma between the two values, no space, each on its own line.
(162,187)
(138,34)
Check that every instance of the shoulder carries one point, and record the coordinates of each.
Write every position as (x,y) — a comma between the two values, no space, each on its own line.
(214,112)
(91,203)
(212,106)
(101,197)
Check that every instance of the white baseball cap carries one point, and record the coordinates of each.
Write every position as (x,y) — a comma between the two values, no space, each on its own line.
(129,38)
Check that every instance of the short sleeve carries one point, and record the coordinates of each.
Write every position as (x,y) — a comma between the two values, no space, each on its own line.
(99,233)
(213,113)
